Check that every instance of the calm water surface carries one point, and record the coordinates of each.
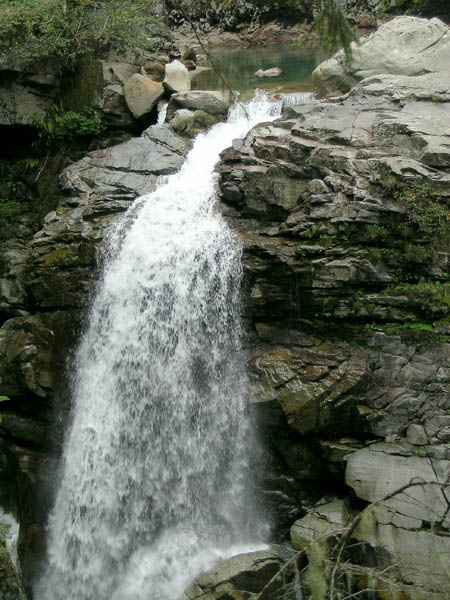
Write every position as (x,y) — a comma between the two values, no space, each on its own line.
(238,66)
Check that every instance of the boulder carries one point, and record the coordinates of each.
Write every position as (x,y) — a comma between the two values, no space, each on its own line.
(176,78)
(192,112)
(381,469)
(273,72)
(404,46)
(418,557)
(215,103)
(320,523)
(142,94)
(241,576)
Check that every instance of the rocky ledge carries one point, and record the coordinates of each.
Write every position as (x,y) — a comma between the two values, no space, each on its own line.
(343,210)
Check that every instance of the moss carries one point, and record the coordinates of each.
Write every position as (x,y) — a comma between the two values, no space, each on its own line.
(433,297)
(409,333)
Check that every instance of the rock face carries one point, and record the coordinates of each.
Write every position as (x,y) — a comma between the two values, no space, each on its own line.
(404,46)
(10,586)
(27,93)
(242,576)
(346,261)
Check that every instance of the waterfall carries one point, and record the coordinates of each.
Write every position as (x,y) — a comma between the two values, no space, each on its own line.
(296,98)
(155,476)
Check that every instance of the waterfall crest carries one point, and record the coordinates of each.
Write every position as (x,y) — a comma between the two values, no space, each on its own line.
(154,485)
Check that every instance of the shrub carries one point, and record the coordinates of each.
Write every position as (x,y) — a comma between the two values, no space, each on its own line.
(32,30)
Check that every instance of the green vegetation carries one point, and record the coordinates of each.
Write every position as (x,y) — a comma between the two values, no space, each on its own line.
(53,127)
(409,333)
(426,212)
(332,27)
(33,30)
(433,297)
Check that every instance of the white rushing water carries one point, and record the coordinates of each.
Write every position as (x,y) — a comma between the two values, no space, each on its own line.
(155,478)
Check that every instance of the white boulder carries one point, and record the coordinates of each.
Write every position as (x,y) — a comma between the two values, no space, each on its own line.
(176,77)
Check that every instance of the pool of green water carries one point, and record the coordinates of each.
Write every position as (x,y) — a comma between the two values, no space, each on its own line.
(238,65)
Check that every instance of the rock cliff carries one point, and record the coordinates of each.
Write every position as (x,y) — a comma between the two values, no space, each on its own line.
(342,208)
(343,211)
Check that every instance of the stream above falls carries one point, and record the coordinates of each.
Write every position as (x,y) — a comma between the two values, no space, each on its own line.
(238,66)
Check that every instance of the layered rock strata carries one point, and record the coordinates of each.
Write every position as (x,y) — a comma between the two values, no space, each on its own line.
(342,207)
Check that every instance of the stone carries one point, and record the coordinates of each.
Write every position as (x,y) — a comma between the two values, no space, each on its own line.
(374,474)
(399,546)
(273,72)
(183,121)
(26,356)
(403,46)
(215,103)
(11,587)
(191,112)
(320,199)
(320,522)
(189,54)
(13,276)
(243,575)
(416,435)
(142,94)
(176,78)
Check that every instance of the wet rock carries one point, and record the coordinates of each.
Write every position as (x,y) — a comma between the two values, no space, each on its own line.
(312,386)
(10,585)
(192,112)
(239,576)
(212,102)
(321,198)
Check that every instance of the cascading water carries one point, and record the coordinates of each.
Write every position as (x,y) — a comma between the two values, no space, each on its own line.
(155,475)
(296,98)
